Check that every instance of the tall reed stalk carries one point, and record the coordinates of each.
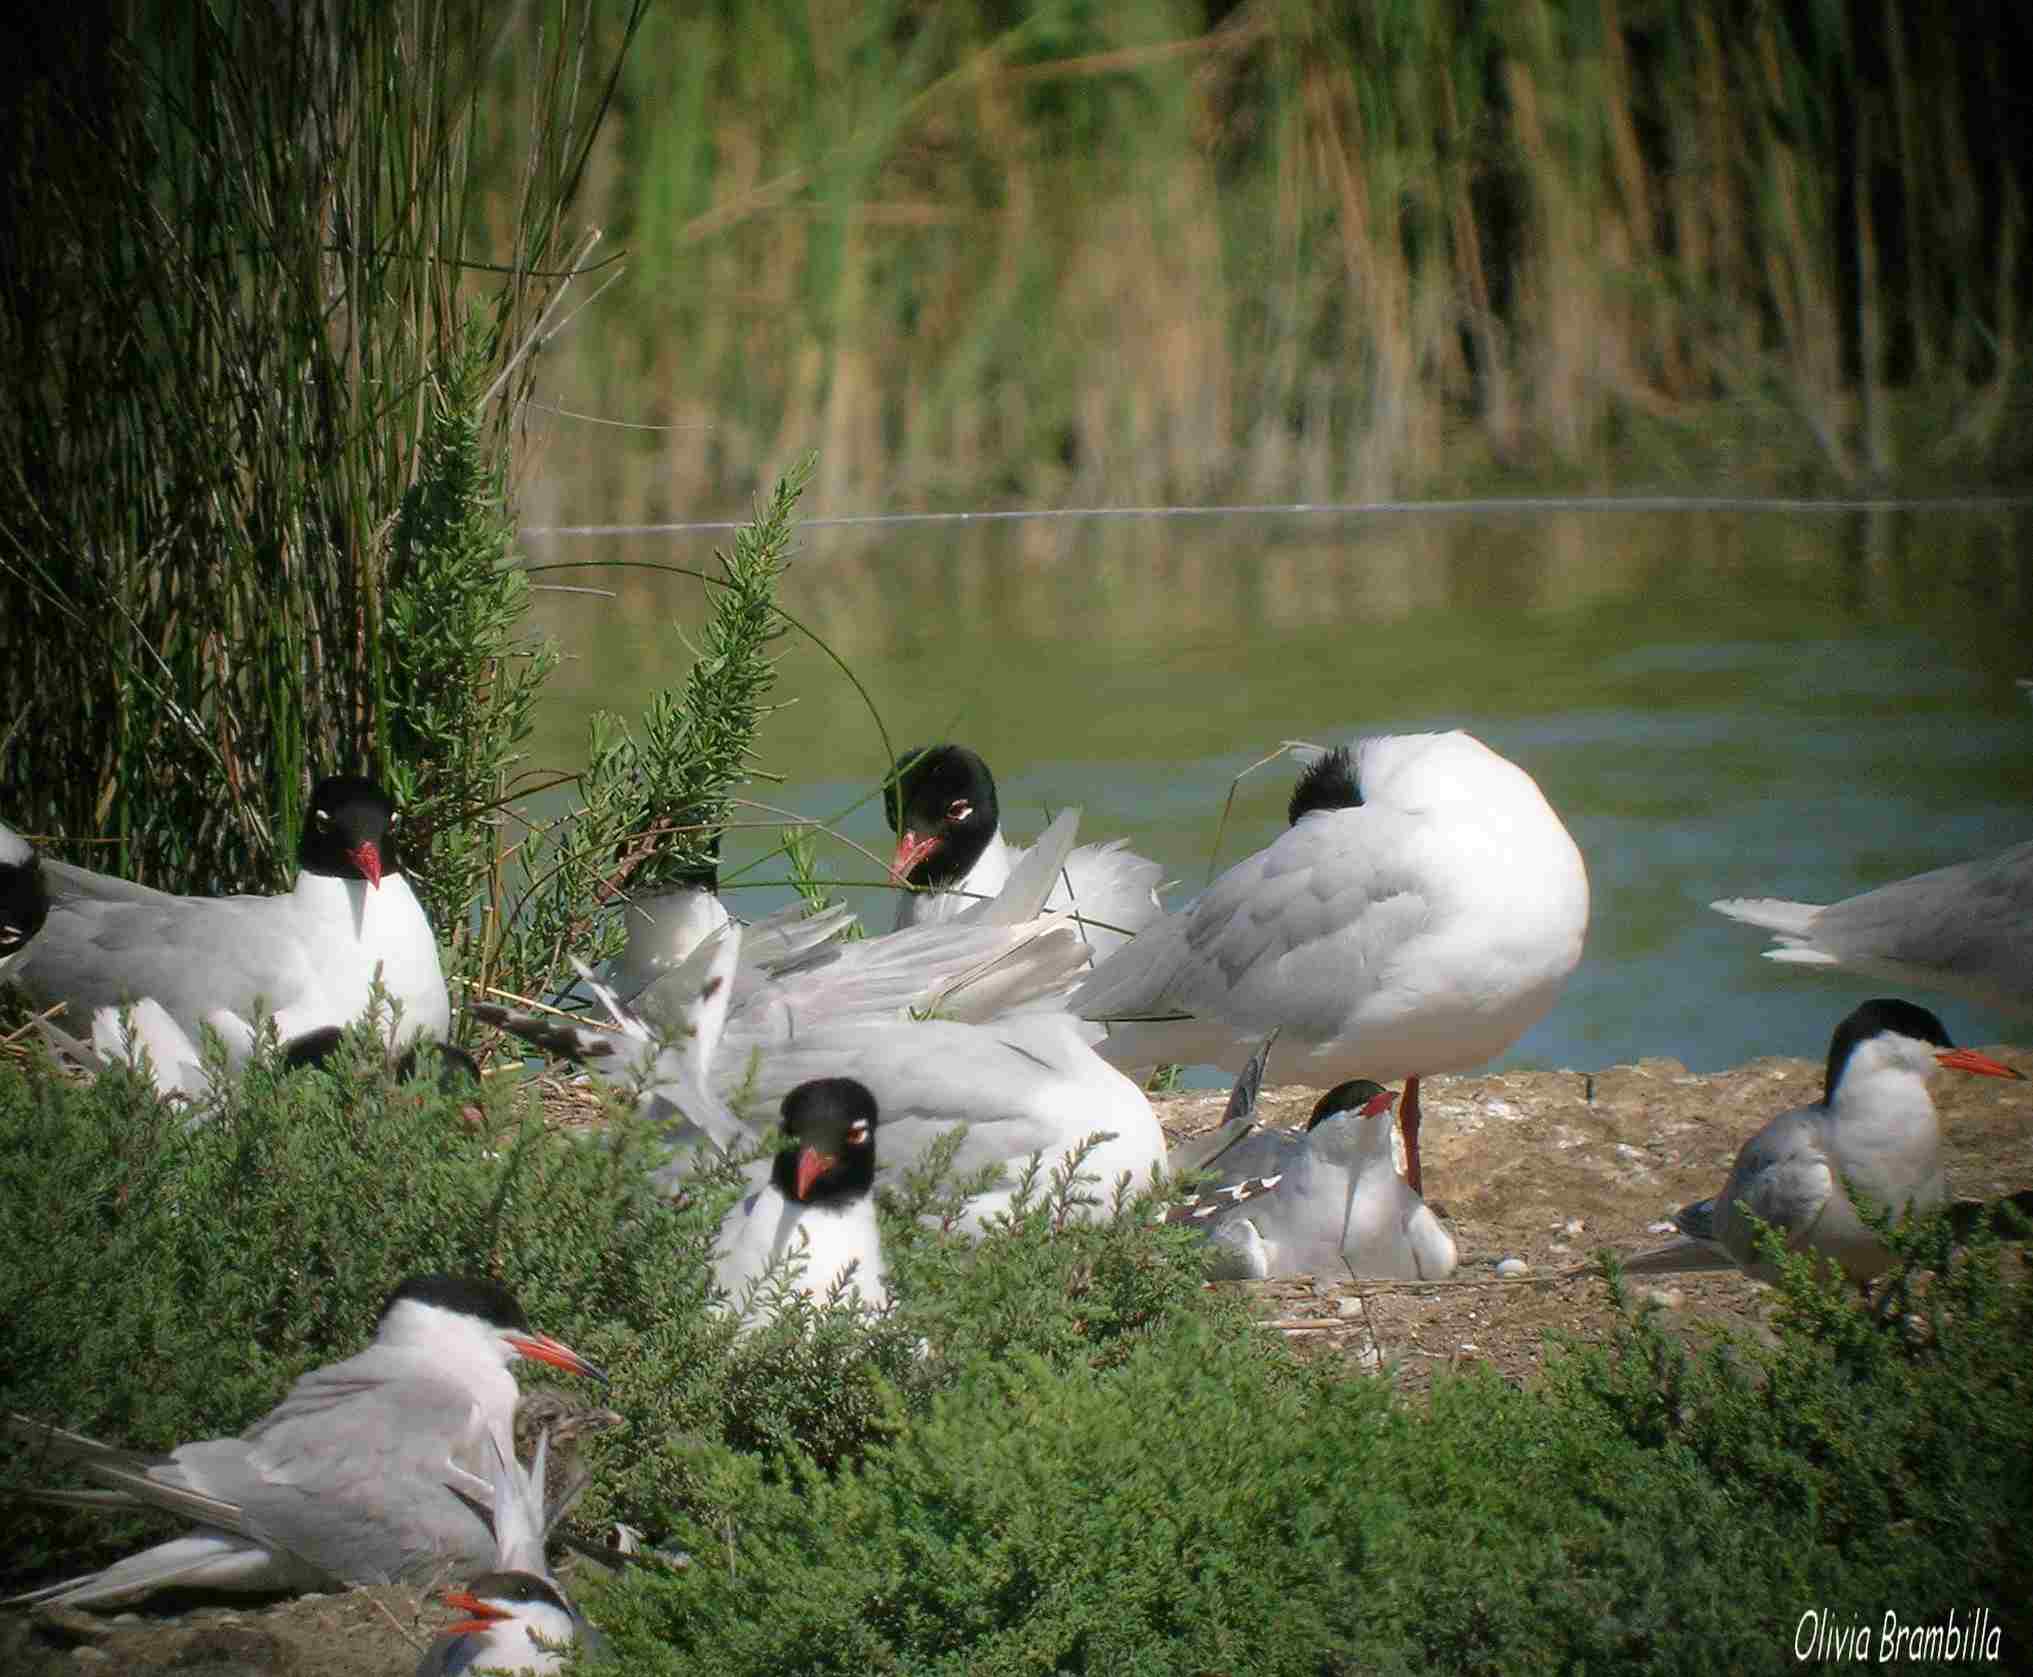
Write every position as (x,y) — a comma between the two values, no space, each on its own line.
(247,254)
(1289,248)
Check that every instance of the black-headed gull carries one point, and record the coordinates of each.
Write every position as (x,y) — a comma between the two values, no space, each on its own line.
(1023,1085)
(1873,1129)
(688,1043)
(1338,1205)
(816,1213)
(517,1616)
(1966,929)
(942,807)
(24,896)
(308,957)
(352,1479)
(1421,912)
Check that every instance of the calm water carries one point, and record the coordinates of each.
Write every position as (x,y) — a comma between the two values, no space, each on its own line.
(1719,703)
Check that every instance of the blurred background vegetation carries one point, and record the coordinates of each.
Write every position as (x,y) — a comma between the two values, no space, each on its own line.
(1162,251)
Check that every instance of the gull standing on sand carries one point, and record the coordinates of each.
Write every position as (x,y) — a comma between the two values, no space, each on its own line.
(1420,913)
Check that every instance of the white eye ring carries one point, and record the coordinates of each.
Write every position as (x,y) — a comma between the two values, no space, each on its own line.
(959,810)
(321,817)
(857,1133)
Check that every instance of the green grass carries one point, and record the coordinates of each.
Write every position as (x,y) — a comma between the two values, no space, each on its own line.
(1058,1452)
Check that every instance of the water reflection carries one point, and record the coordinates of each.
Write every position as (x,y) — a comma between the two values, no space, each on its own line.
(1720,703)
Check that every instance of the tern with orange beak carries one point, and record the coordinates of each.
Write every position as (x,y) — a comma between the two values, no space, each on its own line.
(354,1478)
(308,957)
(814,1220)
(1337,1206)
(1873,1133)
(517,1615)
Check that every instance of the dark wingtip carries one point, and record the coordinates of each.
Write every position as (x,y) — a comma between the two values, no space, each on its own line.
(1696,1221)
(1328,783)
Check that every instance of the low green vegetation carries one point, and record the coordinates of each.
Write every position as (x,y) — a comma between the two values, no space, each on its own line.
(1058,1452)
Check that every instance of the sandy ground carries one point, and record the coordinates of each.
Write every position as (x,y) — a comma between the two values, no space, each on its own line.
(1546,1167)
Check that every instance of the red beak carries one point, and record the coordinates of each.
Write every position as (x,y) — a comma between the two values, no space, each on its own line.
(812,1164)
(368,860)
(910,851)
(1378,1105)
(1968,1059)
(542,1348)
(485,1616)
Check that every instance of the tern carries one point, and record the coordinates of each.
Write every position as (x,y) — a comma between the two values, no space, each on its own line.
(309,957)
(1420,913)
(1966,929)
(351,1479)
(1337,1205)
(24,896)
(942,806)
(517,1615)
(1873,1132)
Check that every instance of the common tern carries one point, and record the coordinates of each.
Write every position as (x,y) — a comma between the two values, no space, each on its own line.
(517,1615)
(1421,912)
(353,1478)
(942,806)
(309,957)
(1873,1132)
(1966,929)
(1338,1205)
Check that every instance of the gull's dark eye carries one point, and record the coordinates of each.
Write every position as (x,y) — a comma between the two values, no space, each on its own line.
(959,810)
(857,1133)
(321,818)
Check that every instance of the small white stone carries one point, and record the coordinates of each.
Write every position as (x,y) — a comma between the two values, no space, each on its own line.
(1665,1225)
(1559,1246)
(1572,1227)
(1469,1348)
(90,1656)
(1513,1267)
(1666,1298)
(1347,1307)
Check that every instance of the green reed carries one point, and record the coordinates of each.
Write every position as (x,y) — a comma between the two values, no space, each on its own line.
(248,250)
(1309,250)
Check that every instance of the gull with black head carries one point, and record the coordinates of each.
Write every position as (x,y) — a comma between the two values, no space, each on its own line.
(942,805)
(1420,913)
(309,957)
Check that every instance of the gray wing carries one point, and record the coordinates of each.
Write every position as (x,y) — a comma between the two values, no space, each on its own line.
(1967,928)
(1783,1176)
(118,942)
(1238,1122)
(354,1471)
